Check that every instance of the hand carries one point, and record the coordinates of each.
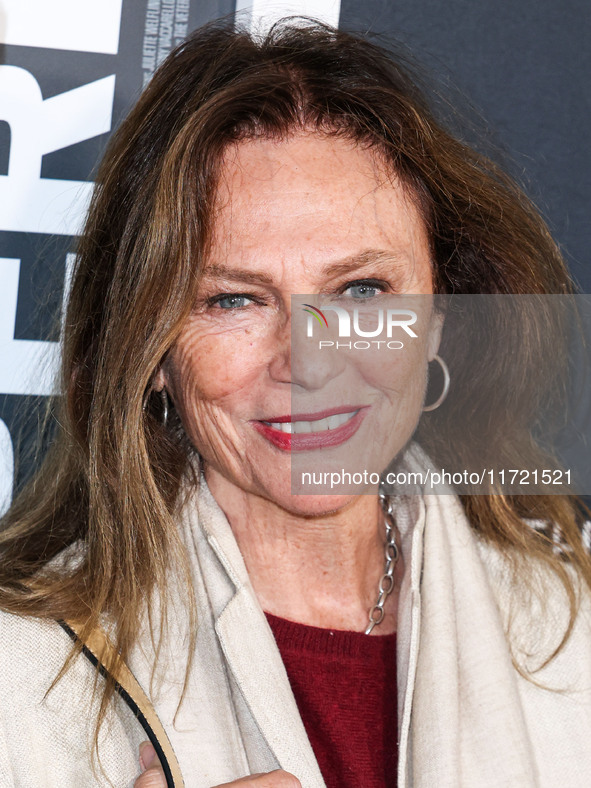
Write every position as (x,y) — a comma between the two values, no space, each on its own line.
(153,776)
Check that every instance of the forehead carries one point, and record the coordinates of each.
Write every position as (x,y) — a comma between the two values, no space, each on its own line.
(311,197)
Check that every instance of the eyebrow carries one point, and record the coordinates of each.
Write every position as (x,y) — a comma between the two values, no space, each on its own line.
(340,267)
(359,260)
(237,274)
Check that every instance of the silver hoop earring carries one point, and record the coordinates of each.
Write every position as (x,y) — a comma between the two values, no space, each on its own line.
(446,382)
(164,398)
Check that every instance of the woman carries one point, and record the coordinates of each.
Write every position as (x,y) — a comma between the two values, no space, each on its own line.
(227,615)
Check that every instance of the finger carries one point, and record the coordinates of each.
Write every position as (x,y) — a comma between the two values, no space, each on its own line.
(275,779)
(153,775)
(148,757)
(152,778)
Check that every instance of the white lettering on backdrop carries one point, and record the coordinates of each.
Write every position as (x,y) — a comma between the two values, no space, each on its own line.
(28,202)
(81,25)
(262,14)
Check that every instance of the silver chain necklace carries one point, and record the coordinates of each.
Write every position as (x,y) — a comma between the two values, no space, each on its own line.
(386,584)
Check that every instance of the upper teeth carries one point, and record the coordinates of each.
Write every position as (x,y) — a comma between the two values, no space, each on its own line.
(321,425)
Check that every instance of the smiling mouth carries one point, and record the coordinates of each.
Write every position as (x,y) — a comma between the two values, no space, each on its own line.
(319,425)
(309,431)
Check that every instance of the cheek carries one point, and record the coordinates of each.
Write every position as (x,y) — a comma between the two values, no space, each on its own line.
(213,378)
(400,374)
(402,382)
(208,367)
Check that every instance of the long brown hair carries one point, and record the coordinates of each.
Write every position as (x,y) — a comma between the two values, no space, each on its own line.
(111,481)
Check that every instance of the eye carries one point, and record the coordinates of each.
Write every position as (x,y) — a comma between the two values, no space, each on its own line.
(364,288)
(231,301)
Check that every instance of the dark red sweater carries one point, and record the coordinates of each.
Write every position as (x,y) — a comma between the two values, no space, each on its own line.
(345,687)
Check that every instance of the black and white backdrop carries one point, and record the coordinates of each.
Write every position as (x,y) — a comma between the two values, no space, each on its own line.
(70,69)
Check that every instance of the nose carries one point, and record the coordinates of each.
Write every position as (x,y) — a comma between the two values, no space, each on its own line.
(306,362)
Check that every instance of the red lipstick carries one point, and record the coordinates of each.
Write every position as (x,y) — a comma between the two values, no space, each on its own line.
(307,441)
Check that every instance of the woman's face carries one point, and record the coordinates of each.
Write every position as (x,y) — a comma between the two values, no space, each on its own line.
(311,215)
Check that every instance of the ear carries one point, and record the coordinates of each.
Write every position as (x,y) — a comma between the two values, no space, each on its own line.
(435,329)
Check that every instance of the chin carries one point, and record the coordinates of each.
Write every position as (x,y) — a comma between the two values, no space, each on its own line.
(276,488)
(309,505)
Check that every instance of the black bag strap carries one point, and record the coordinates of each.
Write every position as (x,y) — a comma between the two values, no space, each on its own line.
(94,649)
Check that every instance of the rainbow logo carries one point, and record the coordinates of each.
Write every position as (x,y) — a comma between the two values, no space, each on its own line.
(315,312)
